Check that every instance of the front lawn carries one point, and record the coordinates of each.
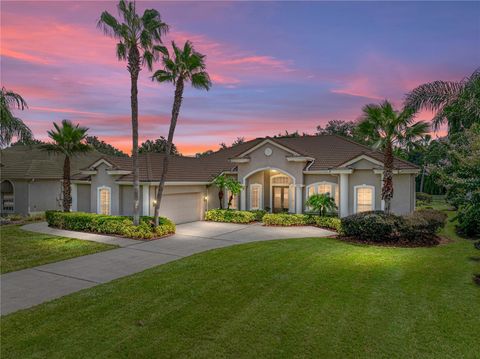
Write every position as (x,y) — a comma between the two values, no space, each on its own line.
(20,249)
(318,298)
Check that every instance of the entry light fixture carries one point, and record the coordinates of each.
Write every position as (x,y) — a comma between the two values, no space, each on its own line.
(154,202)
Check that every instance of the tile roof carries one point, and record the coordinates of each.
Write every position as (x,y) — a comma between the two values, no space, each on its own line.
(329,151)
(31,162)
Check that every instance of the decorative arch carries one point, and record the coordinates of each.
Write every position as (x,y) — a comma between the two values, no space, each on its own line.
(244,180)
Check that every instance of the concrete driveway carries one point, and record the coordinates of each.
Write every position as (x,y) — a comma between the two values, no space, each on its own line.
(33,286)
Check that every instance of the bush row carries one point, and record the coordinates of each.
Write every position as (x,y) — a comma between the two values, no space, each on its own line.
(229,216)
(418,228)
(119,225)
(286,220)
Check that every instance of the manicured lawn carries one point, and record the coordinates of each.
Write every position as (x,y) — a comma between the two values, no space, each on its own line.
(20,249)
(319,298)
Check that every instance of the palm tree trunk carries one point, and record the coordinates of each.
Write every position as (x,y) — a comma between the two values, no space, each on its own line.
(230,199)
(177,103)
(387,188)
(134,69)
(67,191)
(422,179)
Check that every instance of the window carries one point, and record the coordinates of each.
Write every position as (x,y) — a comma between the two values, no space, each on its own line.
(280,180)
(7,196)
(329,188)
(234,204)
(364,198)
(104,203)
(255,196)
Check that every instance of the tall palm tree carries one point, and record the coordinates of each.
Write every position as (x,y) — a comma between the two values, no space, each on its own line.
(388,128)
(185,65)
(139,40)
(455,102)
(68,140)
(11,126)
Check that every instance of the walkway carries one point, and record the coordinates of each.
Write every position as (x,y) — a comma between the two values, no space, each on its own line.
(33,286)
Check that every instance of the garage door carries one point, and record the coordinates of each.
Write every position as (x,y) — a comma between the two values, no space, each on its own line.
(182,208)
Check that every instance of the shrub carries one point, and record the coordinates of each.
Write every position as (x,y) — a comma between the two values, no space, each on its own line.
(229,216)
(286,219)
(258,213)
(371,226)
(424,197)
(120,225)
(468,217)
(328,222)
(418,228)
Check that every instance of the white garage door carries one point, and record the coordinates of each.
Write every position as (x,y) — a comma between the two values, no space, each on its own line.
(182,208)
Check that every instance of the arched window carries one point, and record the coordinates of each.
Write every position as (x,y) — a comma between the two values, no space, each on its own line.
(364,199)
(8,197)
(256,196)
(104,200)
(323,187)
(280,180)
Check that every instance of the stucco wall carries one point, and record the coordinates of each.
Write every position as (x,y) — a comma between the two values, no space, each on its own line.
(277,160)
(44,195)
(403,186)
(83,198)
(367,177)
(102,178)
(364,165)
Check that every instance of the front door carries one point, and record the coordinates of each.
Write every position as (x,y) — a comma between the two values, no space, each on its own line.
(280,199)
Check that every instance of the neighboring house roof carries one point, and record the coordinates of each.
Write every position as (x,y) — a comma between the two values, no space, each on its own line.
(328,151)
(31,162)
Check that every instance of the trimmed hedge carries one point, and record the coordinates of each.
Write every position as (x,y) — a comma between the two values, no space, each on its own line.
(119,225)
(258,213)
(418,228)
(287,220)
(229,216)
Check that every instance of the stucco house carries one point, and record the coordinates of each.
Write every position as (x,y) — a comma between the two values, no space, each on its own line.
(278,174)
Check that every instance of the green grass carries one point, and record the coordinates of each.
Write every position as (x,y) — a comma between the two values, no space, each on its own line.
(20,249)
(319,298)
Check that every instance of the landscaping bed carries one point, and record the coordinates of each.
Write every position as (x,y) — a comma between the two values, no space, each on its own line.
(418,229)
(234,216)
(288,220)
(115,225)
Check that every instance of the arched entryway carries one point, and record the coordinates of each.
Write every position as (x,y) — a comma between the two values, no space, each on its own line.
(271,189)
(7,197)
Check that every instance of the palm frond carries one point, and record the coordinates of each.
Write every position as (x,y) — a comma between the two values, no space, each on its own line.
(433,96)
(201,80)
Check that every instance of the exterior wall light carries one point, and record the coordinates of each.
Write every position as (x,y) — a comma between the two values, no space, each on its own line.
(154,202)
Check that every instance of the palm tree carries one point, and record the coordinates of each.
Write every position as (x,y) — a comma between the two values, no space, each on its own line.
(138,43)
(186,65)
(11,126)
(388,128)
(221,183)
(457,103)
(322,203)
(69,140)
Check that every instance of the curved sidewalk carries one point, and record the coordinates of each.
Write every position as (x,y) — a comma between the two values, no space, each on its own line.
(33,286)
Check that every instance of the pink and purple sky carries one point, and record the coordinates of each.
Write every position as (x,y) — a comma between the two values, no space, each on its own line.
(275,66)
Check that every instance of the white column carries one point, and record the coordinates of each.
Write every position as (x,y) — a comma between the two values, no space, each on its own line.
(381,187)
(298,199)
(146,200)
(343,194)
(74,197)
(243,199)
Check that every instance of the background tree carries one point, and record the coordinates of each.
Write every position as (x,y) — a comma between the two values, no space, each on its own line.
(221,183)
(185,65)
(236,142)
(103,147)
(158,146)
(321,203)
(456,103)
(204,154)
(388,128)
(11,126)
(234,187)
(138,43)
(68,140)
